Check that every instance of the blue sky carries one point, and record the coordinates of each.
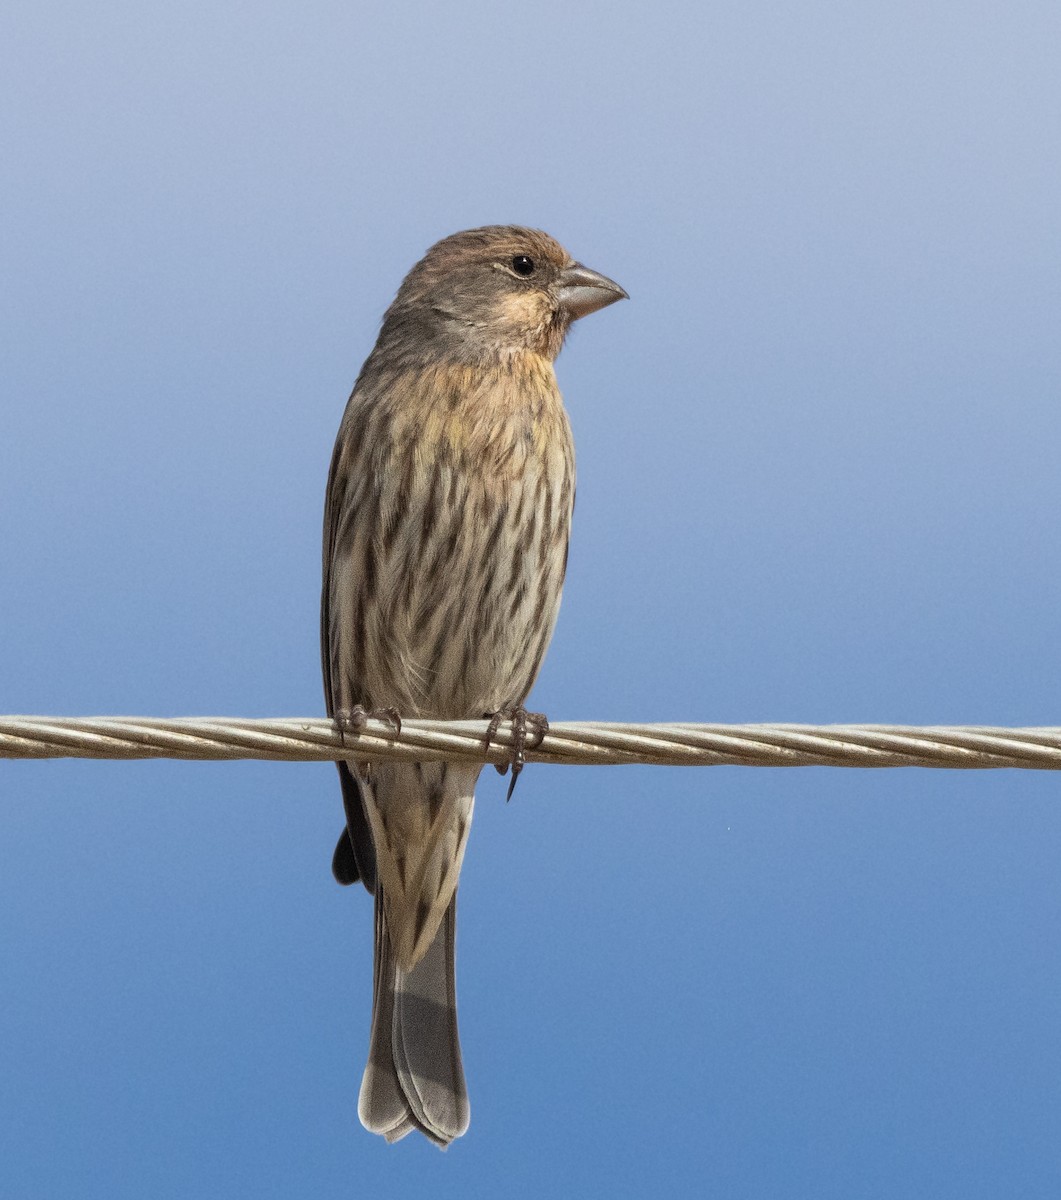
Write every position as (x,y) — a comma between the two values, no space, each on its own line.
(817,482)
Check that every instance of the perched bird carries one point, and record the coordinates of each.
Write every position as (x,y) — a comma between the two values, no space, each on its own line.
(445,541)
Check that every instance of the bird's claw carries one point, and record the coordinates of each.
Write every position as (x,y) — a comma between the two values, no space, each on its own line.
(354,720)
(523,723)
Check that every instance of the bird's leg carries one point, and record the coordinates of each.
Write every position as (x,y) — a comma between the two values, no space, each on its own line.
(354,720)
(523,723)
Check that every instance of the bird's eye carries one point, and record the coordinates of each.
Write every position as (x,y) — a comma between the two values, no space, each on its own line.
(523,265)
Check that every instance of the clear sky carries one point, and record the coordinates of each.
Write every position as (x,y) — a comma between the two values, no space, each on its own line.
(818,481)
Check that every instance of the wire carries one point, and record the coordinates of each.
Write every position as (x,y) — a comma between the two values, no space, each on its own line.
(315,739)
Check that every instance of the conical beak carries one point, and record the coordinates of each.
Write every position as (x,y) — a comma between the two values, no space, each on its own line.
(583,291)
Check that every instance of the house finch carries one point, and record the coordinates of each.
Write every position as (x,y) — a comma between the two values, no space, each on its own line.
(445,540)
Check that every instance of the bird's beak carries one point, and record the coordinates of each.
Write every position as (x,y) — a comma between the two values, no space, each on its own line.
(583,291)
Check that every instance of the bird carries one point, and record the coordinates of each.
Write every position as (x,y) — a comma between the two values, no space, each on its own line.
(446,524)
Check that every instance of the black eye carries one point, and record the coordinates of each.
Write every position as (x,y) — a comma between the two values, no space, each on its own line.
(523,265)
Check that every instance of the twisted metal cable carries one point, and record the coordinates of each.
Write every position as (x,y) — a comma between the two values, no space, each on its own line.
(315,739)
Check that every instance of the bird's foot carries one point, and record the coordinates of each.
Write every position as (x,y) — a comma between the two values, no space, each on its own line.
(528,731)
(354,720)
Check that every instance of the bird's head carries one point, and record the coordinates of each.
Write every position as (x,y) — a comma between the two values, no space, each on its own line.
(493,292)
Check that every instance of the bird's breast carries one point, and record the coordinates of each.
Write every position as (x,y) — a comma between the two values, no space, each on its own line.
(497,422)
(458,559)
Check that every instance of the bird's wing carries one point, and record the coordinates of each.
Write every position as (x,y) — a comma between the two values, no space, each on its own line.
(355,855)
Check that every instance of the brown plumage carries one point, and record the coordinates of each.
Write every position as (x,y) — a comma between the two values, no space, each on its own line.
(445,541)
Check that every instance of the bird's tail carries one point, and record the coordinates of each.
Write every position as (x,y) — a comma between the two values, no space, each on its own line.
(414,1078)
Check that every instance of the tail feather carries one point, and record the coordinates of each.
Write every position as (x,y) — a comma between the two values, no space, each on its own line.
(414,1078)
